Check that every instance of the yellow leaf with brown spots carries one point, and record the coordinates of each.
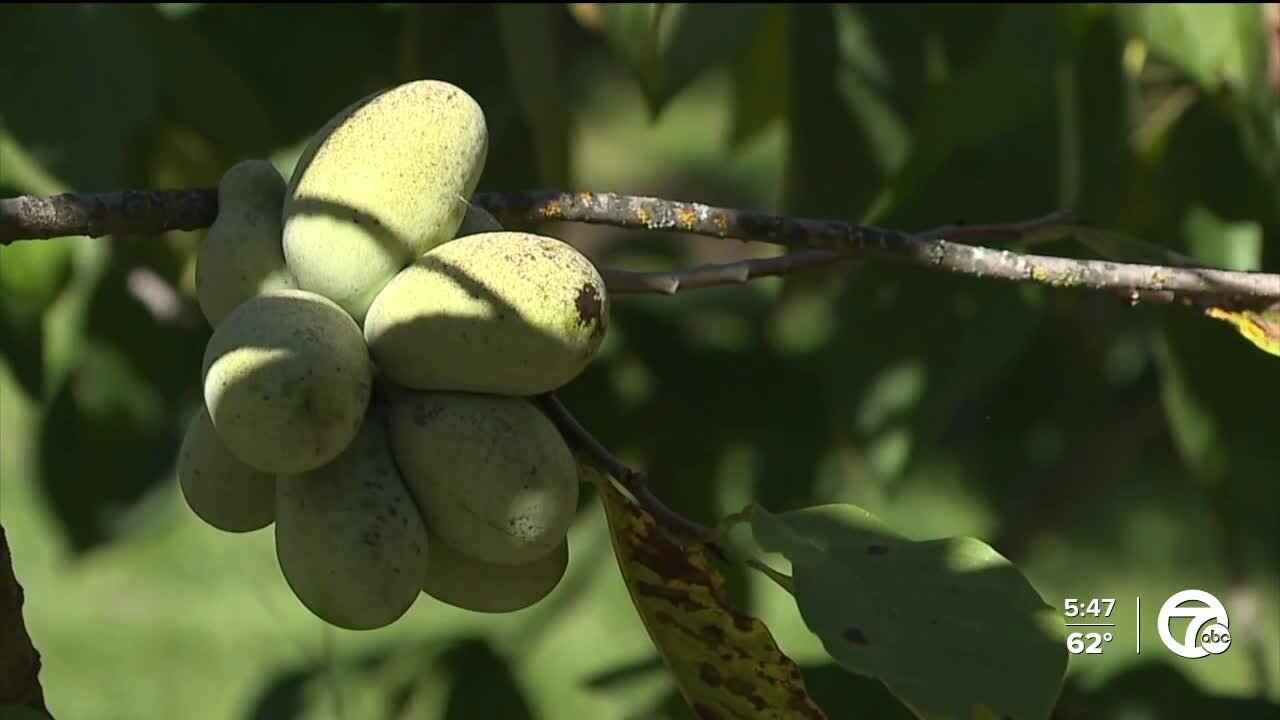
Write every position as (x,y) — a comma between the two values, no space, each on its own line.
(1260,327)
(725,662)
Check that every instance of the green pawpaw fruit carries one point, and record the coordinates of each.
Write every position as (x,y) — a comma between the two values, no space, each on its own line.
(242,253)
(220,488)
(470,584)
(287,380)
(503,313)
(492,475)
(387,179)
(349,540)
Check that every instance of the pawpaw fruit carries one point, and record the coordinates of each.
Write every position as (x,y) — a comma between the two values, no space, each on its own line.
(502,313)
(384,181)
(287,380)
(470,584)
(218,487)
(242,254)
(492,475)
(349,540)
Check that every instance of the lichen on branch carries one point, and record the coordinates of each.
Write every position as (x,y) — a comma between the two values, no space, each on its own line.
(155,211)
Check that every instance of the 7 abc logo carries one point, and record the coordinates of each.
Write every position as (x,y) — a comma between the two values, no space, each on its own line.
(1207,627)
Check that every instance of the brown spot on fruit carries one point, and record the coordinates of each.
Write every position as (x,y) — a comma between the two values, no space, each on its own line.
(710,675)
(855,636)
(589,305)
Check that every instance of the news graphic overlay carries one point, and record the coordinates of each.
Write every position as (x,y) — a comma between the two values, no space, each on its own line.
(1207,631)
(1089,624)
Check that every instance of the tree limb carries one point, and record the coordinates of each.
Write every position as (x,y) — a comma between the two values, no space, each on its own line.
(633,480)
(19,661)
(156,211)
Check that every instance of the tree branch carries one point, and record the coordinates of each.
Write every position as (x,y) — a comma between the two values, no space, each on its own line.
(633,480)
(145,212)
(19,661)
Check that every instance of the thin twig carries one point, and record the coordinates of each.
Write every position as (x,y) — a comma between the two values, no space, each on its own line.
(143,212)
(705,276)
(633,480)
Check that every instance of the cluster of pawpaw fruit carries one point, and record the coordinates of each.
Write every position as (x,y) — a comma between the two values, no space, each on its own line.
(368,385)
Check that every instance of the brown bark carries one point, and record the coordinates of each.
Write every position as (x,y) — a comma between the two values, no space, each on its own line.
(19,661)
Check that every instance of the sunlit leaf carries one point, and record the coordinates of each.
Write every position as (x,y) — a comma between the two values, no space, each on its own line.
(1260,327)
(949,625)
(1213,44)
(724,661)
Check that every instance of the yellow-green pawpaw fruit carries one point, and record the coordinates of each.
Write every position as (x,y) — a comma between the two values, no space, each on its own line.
(386,180)
(476,221)
(464,582)
(504,313)
(220,488)
(492,475)
(349,540)
(242,253)
(287,380)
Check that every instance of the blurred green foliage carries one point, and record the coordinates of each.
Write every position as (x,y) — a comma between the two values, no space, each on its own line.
(1107,450)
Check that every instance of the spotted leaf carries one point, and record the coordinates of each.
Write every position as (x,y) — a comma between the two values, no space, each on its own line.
(949,626)
(725,662)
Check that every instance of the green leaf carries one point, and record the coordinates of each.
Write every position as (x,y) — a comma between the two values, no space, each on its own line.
(1221,243)
(1220,398)
(200,89)
(32,275)
(949,625)
(92,96)
(724,662)
(349,46)
(667,45)
(118,412)
(1214,44)
(484,685)
(861,70)
(914,349)
(531,42)
(760,87)
(104,442)
(1007,88)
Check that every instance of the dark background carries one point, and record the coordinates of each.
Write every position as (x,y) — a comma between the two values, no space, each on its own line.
(1108,450)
